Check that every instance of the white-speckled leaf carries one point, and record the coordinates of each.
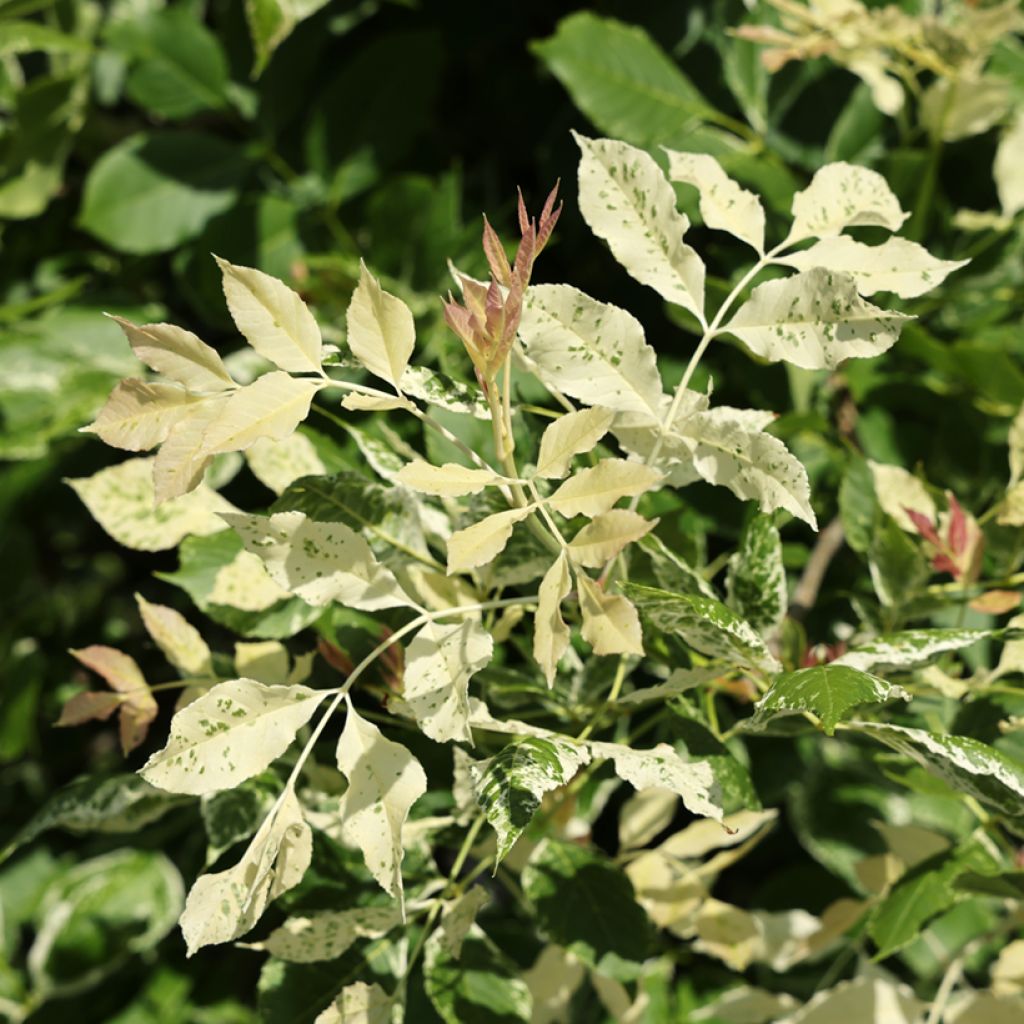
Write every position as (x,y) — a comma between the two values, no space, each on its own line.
(595,489)
(482,542)
(570,435)
(438,665)
(626,200)
(319,562)
(840,196)
(897,490)
(179,640)
(381,332)
(138,415)
(591,350)
(359,1003)
(230,734)
(327,935)
(384,781)
(122,500)
(273,318)
(610,621)
(755,584)
(450,480)
(606,535)
(814,320)
(276,464)
(440,390)
(909,649)
(551,635)
(177,354)
(224,905)
(897,265)
(724,205)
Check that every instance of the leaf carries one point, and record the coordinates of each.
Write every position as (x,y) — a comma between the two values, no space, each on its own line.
(381,332)
(266,661)
(271,22)
(1008,168)
(723,204)
(815,320)
(178,354)
(829,691)
(966,764)
(444,392)
(222,906)
(897,491)
(319,562)
(705,625)
(384,781)
(450,480)
(610,621)
(550,633)
(626,201)
(183,458)
(243,582)
(273,318)
(480,543)
(681,680)
(606,535)
(591,350)
(179,641)
(646,814)
(359,1003)
(955,110)
(155,190)
(897,566)
(866,1000)
(230,734)
(840,196)
(756,580)
(909,649)
(673,572)
(569,435)
(327,935)
(897,265)
(594,490)
(138,416)
(438,665)
(585,903)
(278,464)
(458,918)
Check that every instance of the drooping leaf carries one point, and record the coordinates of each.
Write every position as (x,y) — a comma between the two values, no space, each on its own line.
(458,919)
(595,489)
(381,332)
(551,635)
(230,734)
(606,535)
(480,543)
(327,935)
(570,435)
(672,571)
(271,22)
(756,580)
(610,621)
(450,480)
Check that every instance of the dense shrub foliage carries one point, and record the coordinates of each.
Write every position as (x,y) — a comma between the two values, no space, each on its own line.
(640,647)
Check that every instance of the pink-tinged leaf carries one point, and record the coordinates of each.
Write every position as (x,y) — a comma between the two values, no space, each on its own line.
(117,668)
(924,526)
(996,602)
(137,714)
(93,705)
(495,252)
(943,563)
(957,526)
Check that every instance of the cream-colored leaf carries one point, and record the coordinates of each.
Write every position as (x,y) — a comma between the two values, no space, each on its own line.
(482,542)
(594,490)
(178,354)
(356,402)
(550,633)
(450,480)
(381,332)
(610,622)
(840,196)
(570,435)
(276,464)
(700,838)
(746,1005)
(814,320)
(359,1003)
(384,781)
(272,407)
(617,1000)
(1015,444)
(273,318)
(224,905)
(458,917)
(897,490)
(266,661)
(866,1000)
(327,935)
(606,535)
(139,415)
(627,201)
(122,500)
(183,458)
(230,734)
(897,265)
(245,584)
(1008,970)
(1011,509)
(724,205)
(319,562)
(1009,168)
(955,109)
(646,813)
(591,350)
(438,665)
(179,640)
(552,980)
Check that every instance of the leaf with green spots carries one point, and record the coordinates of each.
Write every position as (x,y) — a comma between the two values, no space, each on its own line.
(911,648)
(327,935)
(756,581)
(230,734)
(828,691)
(231,815)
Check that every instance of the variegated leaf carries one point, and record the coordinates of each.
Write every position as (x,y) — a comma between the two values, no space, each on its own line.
(594,490)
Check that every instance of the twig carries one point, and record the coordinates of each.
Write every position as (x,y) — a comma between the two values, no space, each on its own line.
(830,540)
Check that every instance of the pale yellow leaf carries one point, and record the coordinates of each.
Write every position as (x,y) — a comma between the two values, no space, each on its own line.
(897,490)
(450,480)
(955,109)
(266,661)
(183,458)
(610,622)
(606,535)
(356,402)
(139,415)
(381,332)
(1009,168)
(866,1000)
(276,464)
(359,1003)
(746,1005)
(550,633)
(552,980)
(570,435)
(840,196)
(482,542)
(244,583)
(594,490)
(179,640)
(646,813)
(327,935)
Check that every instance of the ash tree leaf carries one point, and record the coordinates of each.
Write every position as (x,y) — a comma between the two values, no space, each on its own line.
(673,572)
(482,542)
(627,201)
(829,691)
(450,480)
(327,935)
(606,535)
(840,196)
(179,641)
(359,1003)
(384,781)
(139,415)
(222,906)
(610,621)
(551,635)
(231,815)
(272,318)
(571,434)
(183,458)
(319,562)
(867,999)
(381,332)
(510,785)
(1008,168)
(897,491)
(910,648)
(595,489)
(458,919)
(441,390)
(755,584)
(897,265)
(438,665)
(585,903)
(724,205)
(591,350)
(278,464)
(230,734)
(705,625)
(814,320)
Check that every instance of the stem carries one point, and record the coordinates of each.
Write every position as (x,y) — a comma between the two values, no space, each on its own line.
(946,987)
(613,696)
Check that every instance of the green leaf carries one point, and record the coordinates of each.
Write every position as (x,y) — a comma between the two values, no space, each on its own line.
(858,507)
(158,189)
(828,691)
(585,903)
(704,624)
(897,567)
(672,571)
(30,36)
(756,581)
(236,814)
